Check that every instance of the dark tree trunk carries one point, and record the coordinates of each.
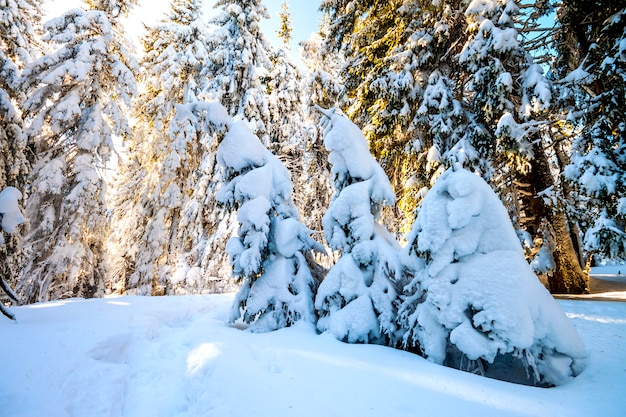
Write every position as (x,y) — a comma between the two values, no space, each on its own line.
(568,276)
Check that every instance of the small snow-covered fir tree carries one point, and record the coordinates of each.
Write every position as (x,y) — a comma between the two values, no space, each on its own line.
(268,253)
(161,170)
(76,102)
(239,57)
(10,217)
(474,302)
(355,302)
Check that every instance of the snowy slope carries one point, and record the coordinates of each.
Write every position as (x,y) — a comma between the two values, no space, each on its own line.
(175,356)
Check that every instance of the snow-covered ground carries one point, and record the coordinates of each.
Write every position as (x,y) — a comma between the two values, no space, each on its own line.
(176,356)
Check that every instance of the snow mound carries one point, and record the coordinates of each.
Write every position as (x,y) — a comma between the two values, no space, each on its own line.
(476,298)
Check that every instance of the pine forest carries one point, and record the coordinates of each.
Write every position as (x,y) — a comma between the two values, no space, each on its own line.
(411,168)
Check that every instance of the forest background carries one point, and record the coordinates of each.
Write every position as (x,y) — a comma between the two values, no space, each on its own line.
(537,111)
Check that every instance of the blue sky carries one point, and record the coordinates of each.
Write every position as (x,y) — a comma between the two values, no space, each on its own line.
(304,15)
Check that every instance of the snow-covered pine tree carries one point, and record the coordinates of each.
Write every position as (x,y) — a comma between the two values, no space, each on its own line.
(287,130)
(322,87)
(238,59)
(322,83)
(355,302)
(401,75)
(365,33)
(268,252)
(420,99)
(474,302)
(19,22)
(160,172)
(18,44)
(598,163)
(198,248)
(291,133)
(76,102)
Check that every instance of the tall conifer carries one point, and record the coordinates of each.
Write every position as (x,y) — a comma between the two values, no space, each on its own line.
(76,102)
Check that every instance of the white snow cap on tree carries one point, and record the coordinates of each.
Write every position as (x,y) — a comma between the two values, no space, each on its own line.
(10,210)
(476,292)
(269,252)
(355,300)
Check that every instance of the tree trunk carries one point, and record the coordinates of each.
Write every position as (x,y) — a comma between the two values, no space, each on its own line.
(563,161)
(568,276)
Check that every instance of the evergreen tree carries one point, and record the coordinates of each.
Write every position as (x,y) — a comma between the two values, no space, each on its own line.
(438,83)
(322,87)
(19,22)
(323,82)
(355,302)
(365,33)
(238,59)
(286,27)
(421,99)
(201,228)
(474,303)
(268,252)
(17,45)
(164,158)
(285,103)
(76,99)
(401,73)
(597,169)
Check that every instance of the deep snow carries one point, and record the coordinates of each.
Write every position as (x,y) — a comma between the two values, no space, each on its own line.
(176,356)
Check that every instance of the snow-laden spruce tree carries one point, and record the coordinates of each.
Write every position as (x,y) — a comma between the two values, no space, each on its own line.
(285,103)
(162,163)
(474,302)
(18,44)
(355,302)
(19,23)
(289,128)
(322,86)
(597,170)
(268,252)
(10,217)
(239,57)
(77,98)
(421,97)
(201,227)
